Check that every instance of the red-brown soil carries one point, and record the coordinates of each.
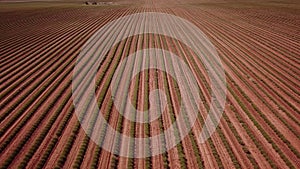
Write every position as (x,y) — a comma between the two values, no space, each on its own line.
(257,42)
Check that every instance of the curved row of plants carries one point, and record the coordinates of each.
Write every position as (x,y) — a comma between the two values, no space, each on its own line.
(35,92)
(264,101)
(37,123)
(62,66)
(262,60)
(109,64)
(33,33)
(229,149)
(250,85)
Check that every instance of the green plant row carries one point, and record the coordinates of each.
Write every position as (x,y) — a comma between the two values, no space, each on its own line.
(27,136)
(81,153)
(281,154)
(47,128)
(49,44)
(101,97)
(219,131)
(228,148)
(147,130)
(135,102)
(241,142)
(55,140)
(267,104)
(52,51)
(259,63)
(103,93)
(22,46)
(238,48)
(258,126)
(280,135)
(257,143)
(248,56)
(120,121)
(59,64)
(161,121)
(31,113)
(34,88)
(214,150)
(68,146)
(179,146)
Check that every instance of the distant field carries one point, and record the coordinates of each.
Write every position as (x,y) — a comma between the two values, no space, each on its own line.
(258,43)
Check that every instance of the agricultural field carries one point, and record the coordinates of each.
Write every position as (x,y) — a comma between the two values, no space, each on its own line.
(258,43)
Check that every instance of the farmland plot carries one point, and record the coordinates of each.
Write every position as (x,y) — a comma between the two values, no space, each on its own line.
(258,46)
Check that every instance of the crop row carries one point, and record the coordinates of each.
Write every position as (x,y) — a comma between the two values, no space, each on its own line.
(55,140)
(280,135)
(263,116)
(46,81)
(263,99)
(58,70)
(221,134)
(54,65)
(33,109)
(262,130)
(223,34)
(102,94)
(47,128)
(145,108)
(35,125)
(259,61)
(42,58)
(31,34)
